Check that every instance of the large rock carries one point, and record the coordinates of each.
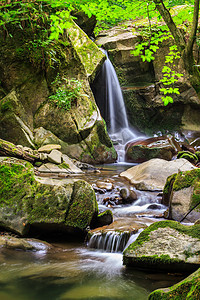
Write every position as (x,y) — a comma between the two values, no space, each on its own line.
(28,202)
(188,288)
(182,194)
(152,175)
(26,88)
(164,147)
(165,245)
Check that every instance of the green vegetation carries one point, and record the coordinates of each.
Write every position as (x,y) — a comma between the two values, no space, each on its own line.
(66,92)
(187,289)
(191,157)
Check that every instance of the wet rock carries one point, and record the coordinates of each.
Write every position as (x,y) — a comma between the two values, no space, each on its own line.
(163,147)
(154,206)
(104,218)
(104,185)
(127,195)
(49,148)
(152,175)
(28,202)
(181,194)
(10,242)
(165,245)
(185,289)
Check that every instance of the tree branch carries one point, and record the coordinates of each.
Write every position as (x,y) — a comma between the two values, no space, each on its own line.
(193,32)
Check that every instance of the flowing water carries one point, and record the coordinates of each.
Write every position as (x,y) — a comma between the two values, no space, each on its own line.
(73,271)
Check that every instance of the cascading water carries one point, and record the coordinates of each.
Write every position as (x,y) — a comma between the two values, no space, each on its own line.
(109,241)
(110,100)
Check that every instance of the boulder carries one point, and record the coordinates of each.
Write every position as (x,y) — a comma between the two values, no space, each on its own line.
(167,246)
(164,147)
(10,242)
(28,202)
(188,288)
(181,194)
(152,175)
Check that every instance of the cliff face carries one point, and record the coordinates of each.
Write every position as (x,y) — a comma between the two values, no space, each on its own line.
(30,73)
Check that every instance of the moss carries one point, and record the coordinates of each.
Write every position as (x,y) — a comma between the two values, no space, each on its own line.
(83,206)
(107,212)
(187,289)
(168,183)
(197,153)
(189,156)
(186,179)
(192,231)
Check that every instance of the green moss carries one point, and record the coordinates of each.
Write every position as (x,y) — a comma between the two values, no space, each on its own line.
(187,289)
(107,212)
(186,179)
(189,156)
(168,183)
(192,231)
(83,206)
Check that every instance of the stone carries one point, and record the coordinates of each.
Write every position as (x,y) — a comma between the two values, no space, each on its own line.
(104,185)
(104,218)
(188,288)
(55,157)
(152,175)
(49,148)
(72,166)
(36,204)
(164,147)
(128,195)
(181,194)
(165,245)
(10,242)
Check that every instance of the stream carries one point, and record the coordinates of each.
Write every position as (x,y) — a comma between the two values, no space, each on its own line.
(70,270)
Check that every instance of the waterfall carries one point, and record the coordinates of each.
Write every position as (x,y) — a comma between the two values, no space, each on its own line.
(109,98)
(111,241)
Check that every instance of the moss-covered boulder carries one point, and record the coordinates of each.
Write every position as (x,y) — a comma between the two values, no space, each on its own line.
(182,194)
(187,289)
(165,245)
(28,202)
(30,76)
(163,147)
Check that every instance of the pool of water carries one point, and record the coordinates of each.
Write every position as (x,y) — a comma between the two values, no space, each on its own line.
(72,271)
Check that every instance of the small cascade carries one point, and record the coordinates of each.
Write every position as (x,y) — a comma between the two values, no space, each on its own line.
(111,241)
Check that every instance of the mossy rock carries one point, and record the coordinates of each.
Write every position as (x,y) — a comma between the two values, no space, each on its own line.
(191,157)
(165,245)
(27,201)
(187,289)
(183,189)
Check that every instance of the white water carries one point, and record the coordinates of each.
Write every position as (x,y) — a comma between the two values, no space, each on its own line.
(119,129)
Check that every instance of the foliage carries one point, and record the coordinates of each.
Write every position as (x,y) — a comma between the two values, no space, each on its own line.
(66,92)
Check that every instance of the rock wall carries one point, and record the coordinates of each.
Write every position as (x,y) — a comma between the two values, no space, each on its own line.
(140,84)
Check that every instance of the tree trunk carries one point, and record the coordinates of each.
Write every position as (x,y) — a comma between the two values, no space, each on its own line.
(9,149)
(185,48)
